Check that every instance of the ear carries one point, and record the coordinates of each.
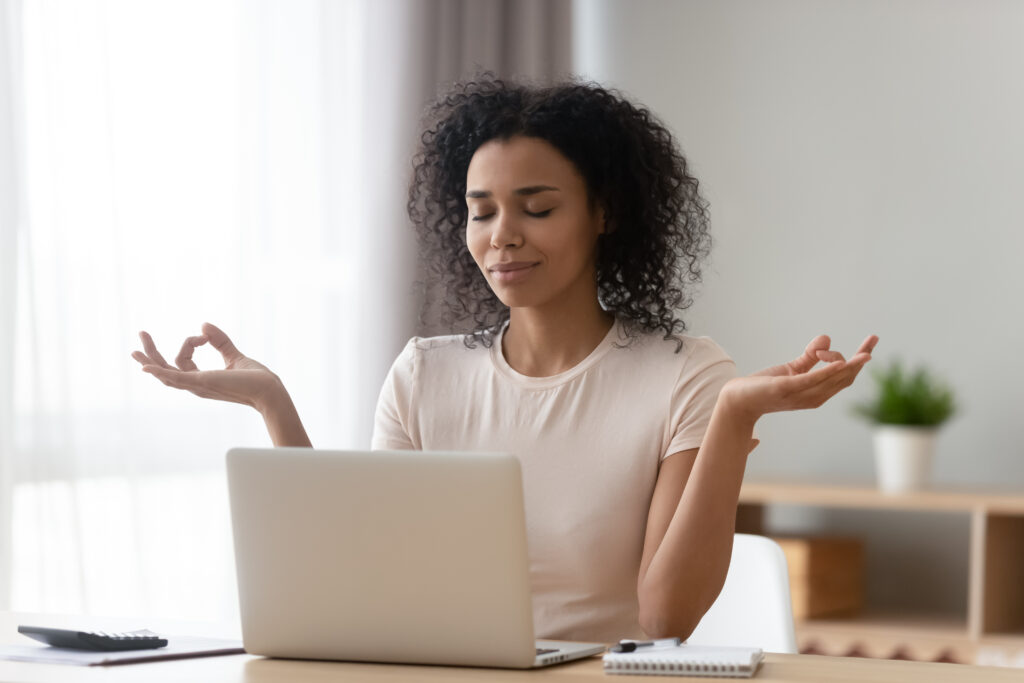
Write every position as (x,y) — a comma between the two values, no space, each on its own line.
(602,219)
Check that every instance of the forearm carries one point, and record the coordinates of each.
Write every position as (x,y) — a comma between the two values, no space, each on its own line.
(688,570)
(283,420)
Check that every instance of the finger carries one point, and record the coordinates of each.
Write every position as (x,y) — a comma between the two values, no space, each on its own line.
(810,381)
(193,382)
(813,389)
(856,364)
(810,357)
(184,359)
(865,350)
(220,341)
(150,347)
(141,357)
(846,375)
(173,377)
(869,344)
(853,365)
(829,356)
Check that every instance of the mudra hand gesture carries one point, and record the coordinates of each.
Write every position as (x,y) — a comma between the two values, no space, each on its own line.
(242,380)
(794,385)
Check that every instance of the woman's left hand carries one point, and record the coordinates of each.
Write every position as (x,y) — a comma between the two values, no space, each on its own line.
(793,385)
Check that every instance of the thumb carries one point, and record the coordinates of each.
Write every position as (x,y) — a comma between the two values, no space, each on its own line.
(221,342)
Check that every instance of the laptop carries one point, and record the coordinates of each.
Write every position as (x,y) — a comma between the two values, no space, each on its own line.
(409,557)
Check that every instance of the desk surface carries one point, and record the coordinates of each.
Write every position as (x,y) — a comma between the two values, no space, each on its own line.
(778,668)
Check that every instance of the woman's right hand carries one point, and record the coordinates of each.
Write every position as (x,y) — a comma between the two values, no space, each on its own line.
(242,380)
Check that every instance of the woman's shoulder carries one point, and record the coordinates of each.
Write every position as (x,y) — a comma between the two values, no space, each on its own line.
(435,351)
(678,349)
(441,345)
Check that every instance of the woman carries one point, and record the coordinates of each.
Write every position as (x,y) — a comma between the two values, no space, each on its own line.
(564,225)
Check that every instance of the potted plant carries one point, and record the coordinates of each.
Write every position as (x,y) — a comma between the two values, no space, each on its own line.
(907,413)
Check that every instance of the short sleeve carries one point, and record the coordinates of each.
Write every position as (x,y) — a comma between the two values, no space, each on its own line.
(391,420)
(695,394)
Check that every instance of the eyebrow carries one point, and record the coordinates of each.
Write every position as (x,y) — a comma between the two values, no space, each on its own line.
(532,189)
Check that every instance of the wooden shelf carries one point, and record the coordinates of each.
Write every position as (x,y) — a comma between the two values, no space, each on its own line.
(896,623)
(995,611)
(836,496)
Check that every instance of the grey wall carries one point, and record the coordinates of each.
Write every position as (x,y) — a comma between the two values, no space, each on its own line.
(864,162)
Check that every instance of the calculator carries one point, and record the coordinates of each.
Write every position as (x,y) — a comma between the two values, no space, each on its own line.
(94,640)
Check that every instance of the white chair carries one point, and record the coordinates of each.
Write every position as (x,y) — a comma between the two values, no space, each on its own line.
(754,607)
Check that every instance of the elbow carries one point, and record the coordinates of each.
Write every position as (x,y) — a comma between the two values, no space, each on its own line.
(664,618)
(667,615)
(665,624)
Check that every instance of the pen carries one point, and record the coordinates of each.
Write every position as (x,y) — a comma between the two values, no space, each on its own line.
(631,645)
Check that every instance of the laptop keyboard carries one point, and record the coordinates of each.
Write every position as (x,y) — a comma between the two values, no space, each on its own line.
(544,651)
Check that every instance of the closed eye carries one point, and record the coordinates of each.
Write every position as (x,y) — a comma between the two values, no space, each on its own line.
(540,214)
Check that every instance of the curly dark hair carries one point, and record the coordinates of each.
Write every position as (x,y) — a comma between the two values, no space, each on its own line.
(657,222)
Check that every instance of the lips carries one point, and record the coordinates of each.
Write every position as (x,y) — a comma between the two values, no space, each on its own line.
(511,273)
(509,266)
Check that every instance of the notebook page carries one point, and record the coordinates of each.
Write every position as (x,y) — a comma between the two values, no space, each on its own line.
(690,659)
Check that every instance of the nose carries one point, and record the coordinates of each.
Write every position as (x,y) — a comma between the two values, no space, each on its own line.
(505,232)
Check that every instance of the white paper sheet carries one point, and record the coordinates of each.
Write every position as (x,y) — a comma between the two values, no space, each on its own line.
(178,647)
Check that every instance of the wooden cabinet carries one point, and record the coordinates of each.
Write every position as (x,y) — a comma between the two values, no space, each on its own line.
(992,629)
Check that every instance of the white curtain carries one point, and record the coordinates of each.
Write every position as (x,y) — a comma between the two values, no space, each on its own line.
(11,222)
(165,163)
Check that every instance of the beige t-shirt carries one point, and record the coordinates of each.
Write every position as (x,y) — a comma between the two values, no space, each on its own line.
(589,440)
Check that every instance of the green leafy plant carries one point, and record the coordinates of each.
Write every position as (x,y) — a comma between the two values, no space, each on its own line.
(910,399)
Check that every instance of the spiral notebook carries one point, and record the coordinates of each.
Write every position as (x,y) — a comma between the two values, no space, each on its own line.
(687,660)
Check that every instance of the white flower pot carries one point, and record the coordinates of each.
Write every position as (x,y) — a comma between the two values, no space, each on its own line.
(903,457)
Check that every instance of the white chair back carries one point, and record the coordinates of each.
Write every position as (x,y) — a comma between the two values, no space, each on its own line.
(754,607)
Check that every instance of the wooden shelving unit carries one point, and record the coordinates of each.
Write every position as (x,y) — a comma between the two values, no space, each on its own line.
(991,631)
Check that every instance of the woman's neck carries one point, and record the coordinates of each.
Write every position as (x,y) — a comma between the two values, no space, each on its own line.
(545,341)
